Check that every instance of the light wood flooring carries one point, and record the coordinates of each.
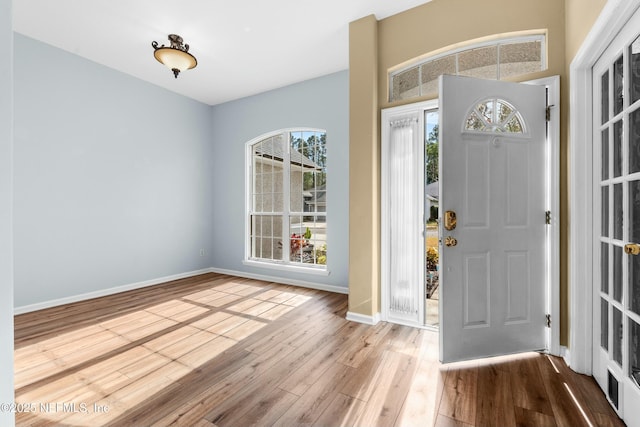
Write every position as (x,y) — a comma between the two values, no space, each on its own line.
(216,350)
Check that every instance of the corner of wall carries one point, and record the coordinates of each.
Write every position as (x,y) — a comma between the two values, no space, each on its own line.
(6,209)
(364,170)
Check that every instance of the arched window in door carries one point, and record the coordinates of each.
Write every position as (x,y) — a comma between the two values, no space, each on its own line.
(494,115)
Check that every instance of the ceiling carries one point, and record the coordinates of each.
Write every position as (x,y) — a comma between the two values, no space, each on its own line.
(243,47)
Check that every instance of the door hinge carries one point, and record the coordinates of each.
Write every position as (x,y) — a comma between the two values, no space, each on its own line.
(548,321)
(547,113)
(547,217)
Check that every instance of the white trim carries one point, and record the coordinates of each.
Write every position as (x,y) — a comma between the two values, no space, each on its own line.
(553,205)
(293,267)
(361,318)
(565,354)
(104,292)
(611,20)
(283,281)
(161,280)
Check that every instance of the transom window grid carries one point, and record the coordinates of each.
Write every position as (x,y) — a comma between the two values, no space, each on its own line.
(619,130)
(287,208)
(496,60)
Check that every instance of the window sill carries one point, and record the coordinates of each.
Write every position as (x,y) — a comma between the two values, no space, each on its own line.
(317,271)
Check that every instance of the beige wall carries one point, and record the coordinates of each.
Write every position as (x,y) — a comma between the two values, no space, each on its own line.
(442,23)
(580,16)
(433,26)
(364,168)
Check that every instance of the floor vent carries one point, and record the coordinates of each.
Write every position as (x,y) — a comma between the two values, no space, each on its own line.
(613,389)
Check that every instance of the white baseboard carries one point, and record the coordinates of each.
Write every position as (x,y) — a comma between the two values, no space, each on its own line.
(104,292)
(281,280)
(361,318)
(564,353)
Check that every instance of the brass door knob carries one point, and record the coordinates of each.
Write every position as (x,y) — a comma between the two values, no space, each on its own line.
(450,241)
(632,249)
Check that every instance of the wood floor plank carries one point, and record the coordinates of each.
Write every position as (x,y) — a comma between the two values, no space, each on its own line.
(586,387)
(528,387)
(221,351)
(459,396)
(264,410)
(608,420)
(389,391)
(366,342)
(444,421)
(365,378)
(200,388)
(528,418)
(562,395)
(300,380)
(308,407)
(342,411)
(494,398)
(226,395)
(267,379)
(423,399)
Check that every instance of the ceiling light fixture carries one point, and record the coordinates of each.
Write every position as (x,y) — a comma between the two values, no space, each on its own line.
(176,57)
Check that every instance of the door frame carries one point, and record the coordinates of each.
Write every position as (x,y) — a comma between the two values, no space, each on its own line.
(612,19)
(553,191)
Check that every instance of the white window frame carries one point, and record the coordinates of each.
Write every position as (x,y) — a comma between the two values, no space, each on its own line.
(284,264)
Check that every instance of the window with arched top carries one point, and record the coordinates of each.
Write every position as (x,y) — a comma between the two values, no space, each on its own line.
(494,115)
(286,221)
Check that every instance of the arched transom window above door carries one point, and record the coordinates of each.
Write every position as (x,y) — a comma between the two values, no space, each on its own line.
(496,58)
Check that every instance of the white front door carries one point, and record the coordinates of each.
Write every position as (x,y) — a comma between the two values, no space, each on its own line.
(492,177)
(616,196)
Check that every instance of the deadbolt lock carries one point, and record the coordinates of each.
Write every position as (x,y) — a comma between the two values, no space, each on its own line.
(632,249)
(450,220)
(450,241)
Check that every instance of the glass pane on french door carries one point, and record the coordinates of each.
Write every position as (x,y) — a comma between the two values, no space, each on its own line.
(617,149)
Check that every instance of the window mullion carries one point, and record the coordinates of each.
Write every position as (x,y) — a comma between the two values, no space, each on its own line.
(286,195)
(498,61)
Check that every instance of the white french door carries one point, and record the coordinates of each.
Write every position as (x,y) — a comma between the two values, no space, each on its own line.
(616,244)
(493,191)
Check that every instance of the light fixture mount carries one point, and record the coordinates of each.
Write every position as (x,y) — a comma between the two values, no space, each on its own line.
(176,56)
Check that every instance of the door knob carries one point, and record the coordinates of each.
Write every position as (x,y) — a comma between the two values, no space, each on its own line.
(632,248)
(450,241)
(450,220)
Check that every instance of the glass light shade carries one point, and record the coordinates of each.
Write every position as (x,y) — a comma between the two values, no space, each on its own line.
(175,58)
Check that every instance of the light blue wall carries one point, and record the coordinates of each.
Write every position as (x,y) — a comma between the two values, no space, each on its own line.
(6,226)
(118,181)
(319,103)
(113,177)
